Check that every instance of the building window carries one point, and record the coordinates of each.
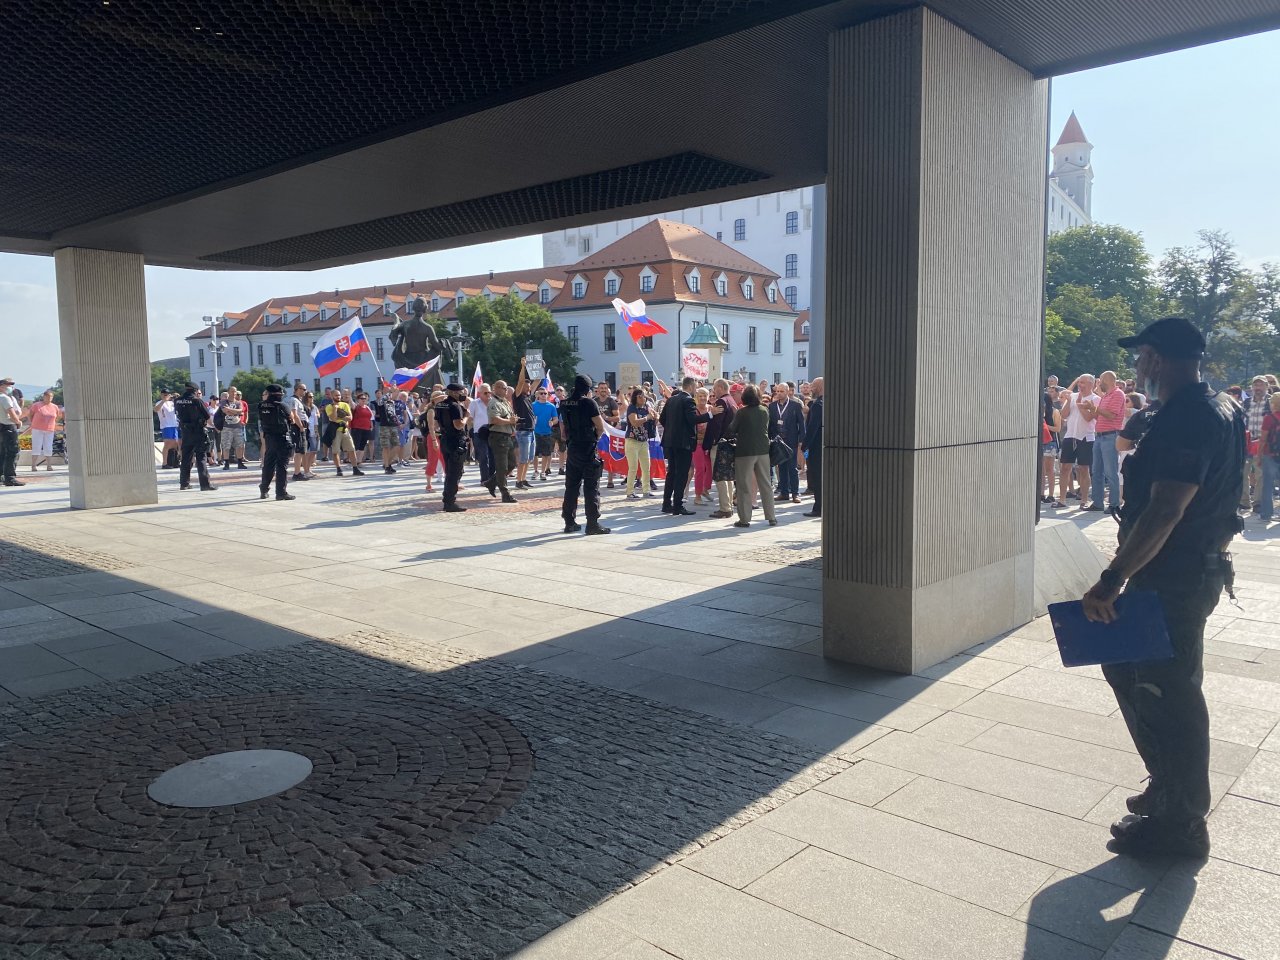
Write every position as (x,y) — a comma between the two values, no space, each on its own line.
(315,391)
(751,378)
(791,294)
(359,384)
(337,383)
(297,353)
(804,328)
(460,299)
(722,286)
(235,356)
(777,377)
(611,287)
(751,339)
(260,360)
(749,291)
(773,293)
(610,341)
(694,282)
(740,229)
(202,387)
(377,348)
(793,222)
(579,289)
(646,343)
(279,354)
(646,283)
(435,304)
(724,334)
(611,378)
(571,334)
(544,295)
(802,359)
(719,234)
(586,244)
(777,341)
(200,354)
(793,265)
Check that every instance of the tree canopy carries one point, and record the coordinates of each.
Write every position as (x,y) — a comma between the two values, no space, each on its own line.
(173,379)
(1109,260)
(1098,324)
(251,383)
(503,329)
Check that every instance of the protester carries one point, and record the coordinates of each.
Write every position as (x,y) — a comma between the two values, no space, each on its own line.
(1269,457)
(337,437)
(234,412)
(43,416)
(168,430)
(431,437)
(545,421)
(1256,409)
(641,427)
(362,428)
(786,423)
(1108,409)
(1050,429)
(311,419)
(720,448)
(502,440)
(522,404)
(701,458)
(479,413)
(403,453)
(609,409)
(1076,449)
(679,418)
(750,433)
(384,413)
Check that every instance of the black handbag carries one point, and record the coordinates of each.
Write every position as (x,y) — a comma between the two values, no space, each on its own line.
(779,452)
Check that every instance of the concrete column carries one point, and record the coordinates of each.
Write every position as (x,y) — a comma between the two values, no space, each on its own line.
(935,233)
(818,294)
(106,377)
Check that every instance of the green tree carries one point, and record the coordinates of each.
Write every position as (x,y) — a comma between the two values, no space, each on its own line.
(1201,282)
(1099,323)
(1109,260)
(1058,339)
(502,329)
(173,379)
(1246,343)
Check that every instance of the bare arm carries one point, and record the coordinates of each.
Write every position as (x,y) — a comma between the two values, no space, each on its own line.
(1169,500)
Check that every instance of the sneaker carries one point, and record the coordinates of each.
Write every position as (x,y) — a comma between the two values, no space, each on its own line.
(339,471)
(1151,837)
(633,496)
(1094,508)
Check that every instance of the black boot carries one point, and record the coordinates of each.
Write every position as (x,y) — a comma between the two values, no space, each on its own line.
(285,496)
(454,508)
(507,497)
(262,493)
(1153,837)
(595,530)
(243,465)
(357,472)
(571,526)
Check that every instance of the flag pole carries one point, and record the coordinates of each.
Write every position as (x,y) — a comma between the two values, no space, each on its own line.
(645,357)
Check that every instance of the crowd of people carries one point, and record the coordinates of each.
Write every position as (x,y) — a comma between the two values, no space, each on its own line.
(1089,427)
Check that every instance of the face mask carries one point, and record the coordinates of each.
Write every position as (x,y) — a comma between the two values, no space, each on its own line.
(6,391)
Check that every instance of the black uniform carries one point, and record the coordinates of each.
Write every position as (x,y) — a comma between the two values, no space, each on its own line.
(453,446)
(1199,438)
(193,415)
(273,422)
(813,446)
(583,464)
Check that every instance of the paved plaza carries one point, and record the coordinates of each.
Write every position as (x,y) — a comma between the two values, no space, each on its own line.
(533,745)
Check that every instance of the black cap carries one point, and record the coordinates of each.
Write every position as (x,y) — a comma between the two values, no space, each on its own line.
(1171,337)
(455,385)
(275,388)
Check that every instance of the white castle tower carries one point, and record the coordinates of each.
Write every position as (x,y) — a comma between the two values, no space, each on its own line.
(1072,169)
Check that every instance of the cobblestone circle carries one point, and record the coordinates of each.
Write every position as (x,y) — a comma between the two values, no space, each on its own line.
(29,558)
(399,778)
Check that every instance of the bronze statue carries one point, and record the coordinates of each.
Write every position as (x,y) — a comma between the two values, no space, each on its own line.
(414,342)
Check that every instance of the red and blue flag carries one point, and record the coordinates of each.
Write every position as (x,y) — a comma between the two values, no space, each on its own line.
(338,347)
(407,378)
(637,322)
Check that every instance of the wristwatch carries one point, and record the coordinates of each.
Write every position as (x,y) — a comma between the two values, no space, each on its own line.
(1111,579)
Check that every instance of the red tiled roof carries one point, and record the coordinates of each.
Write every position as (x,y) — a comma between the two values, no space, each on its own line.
(801,319)
(666,240)
(1072,132)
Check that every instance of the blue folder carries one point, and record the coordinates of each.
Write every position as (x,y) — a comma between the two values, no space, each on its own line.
(1138,633)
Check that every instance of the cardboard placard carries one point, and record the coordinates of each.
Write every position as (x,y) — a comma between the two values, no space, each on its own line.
(696,363)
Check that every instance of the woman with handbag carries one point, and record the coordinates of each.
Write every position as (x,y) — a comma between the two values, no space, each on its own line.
(750,433)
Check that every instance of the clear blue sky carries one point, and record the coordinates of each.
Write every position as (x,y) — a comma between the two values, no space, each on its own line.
(1181,142)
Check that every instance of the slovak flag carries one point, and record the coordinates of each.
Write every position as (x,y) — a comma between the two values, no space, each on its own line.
(407,378)
(339,347)
(477,378)
(547,385)
(635,320)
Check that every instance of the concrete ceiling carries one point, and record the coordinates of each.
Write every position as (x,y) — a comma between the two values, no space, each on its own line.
(294,134)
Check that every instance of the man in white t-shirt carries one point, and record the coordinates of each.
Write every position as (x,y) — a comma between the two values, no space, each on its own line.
(168,428)
(480,432)
(10,423)
(1076,450)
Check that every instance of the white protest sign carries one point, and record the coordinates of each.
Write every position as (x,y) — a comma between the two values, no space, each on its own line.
(697,364)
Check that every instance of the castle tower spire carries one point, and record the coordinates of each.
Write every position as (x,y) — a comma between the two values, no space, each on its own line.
(1073,164)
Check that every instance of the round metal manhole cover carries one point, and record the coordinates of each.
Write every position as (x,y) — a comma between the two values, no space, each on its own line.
(396,780)
(224,779)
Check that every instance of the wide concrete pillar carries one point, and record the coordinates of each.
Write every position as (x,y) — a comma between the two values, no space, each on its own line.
(106,377)
(935,234)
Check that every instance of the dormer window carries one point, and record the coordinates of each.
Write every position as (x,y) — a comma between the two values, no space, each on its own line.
(344,311)
(544,295)
(460,299)
(722,285)
(579,287)
(749,290)
(646,283)
(694,279)
(435,304)
(804,328)
(772,292)
(611,287)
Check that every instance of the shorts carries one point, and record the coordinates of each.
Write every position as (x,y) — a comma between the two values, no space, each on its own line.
(388,436)
(1077,451)
(525,446)
(342,442)
(361,438)
(169,433)
(404,436)
(1049,449)
(544,443)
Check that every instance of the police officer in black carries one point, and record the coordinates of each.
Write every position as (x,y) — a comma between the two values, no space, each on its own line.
(451,422)
(1181,488)
(193,416)
(582,426)
(274,420)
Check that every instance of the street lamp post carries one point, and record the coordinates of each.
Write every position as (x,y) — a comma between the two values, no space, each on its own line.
(215,348)
(460,342)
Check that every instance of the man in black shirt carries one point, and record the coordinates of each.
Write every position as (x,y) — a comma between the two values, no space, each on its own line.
(1179,515)
(274,420)
(680,419)
(582,426)
(192,416)
(451,421)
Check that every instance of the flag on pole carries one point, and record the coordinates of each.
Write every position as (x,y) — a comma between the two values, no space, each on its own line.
(638,324)
(338,347)
(407,378)
(547,385)
(477,378)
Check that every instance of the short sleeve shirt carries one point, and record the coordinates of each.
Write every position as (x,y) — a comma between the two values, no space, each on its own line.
(1077,427)
(543,414)
(7,403)
(479,414)
(581,413)
(168,418)
(524,412)
(1110,411)
(45,415)
(362,418)
(338,413)
(501,410)
(607,409)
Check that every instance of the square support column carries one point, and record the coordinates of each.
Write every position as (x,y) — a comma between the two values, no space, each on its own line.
(106,377)
(935,240)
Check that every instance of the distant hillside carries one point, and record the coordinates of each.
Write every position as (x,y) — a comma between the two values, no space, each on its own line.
(178,363)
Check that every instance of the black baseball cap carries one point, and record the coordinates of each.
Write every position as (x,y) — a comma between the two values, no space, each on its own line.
(1172,337)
